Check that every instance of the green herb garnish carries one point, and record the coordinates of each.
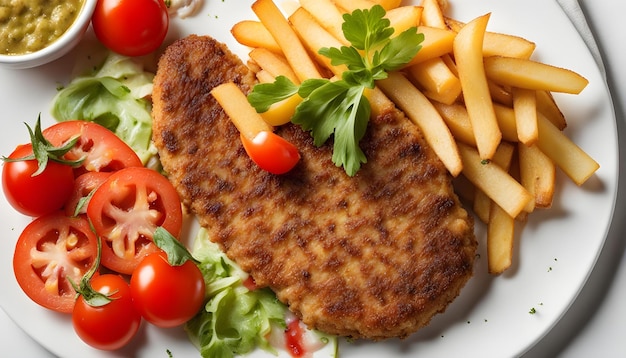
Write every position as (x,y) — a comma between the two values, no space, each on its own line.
(340,107)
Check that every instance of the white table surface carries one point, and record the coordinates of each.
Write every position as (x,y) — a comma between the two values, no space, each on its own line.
(596,323)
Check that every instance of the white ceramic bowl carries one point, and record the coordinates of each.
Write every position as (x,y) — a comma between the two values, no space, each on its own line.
(58,48)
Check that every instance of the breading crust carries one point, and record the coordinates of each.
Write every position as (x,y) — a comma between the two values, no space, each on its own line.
(373,256)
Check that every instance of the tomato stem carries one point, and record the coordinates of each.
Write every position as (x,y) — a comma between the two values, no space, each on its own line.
(43,150)
(91,296)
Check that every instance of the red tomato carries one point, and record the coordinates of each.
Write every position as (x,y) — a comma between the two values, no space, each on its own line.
(271,152)
(131,27)
(167,296)
(102,149)
(83,186)
(35,195)
(294,337)
(50,249)
(112,325)
(126,210)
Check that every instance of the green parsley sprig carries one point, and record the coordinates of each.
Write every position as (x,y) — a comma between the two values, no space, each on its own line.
(340,108)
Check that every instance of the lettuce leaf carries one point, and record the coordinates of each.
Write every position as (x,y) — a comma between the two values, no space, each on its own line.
(235,320)
(113,95)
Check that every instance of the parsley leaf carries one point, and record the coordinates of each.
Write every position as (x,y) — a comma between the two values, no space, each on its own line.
(264,94)
(340,108)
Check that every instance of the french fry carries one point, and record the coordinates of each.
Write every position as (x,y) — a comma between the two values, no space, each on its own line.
(548,107)
(516,72)
(457,120)
(275,64)
(314,37)
(525,108)
(403,18)
(437,80)
(328,16)
(498,44)
(569,157)
(388,4)
(501,187)
(379,102)
(254,34)
(421,111)
(506,122)
(537,174)
(468,46)
(287,39)
(241,113)
(499,94)
(432,15)
(437,42)
(482,202)
(500,237)
(264,76)
(501,226)
(351,5)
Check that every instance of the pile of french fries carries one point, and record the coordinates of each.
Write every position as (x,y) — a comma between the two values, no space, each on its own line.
(482,104)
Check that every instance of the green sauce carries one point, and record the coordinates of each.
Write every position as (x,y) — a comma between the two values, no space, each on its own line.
(30,25)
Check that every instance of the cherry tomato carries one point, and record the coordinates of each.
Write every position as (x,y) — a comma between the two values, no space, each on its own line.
(126,210)
(102,149)
(131,27)
(40,194)
(271,152)
(165,295)
(112,325)
(83,186)
(51,248)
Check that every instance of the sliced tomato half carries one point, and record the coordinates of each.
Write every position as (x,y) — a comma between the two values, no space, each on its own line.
(126,210)
(102,149)
(51,249)
(84,185)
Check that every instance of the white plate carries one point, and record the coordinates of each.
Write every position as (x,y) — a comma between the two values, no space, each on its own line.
(554,254)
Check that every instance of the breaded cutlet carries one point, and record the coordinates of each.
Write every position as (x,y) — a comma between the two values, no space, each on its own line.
(372,256)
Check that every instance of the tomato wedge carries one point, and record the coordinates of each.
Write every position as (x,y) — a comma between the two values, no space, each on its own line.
(102,149)
(50,249)
(271,152)
(126,210)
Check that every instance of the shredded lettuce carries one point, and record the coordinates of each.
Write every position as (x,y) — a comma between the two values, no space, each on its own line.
(115,96)
(235,320)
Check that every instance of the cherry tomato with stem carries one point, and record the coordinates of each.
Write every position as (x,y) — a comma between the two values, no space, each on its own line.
(104,315)
(35,194)
(167,286)
(131,27)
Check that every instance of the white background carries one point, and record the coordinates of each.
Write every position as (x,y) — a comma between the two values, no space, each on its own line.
(596,323)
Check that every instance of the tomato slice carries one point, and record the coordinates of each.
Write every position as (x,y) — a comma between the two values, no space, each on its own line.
(50,249)
(102,149)
(126,210)
(83,186)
